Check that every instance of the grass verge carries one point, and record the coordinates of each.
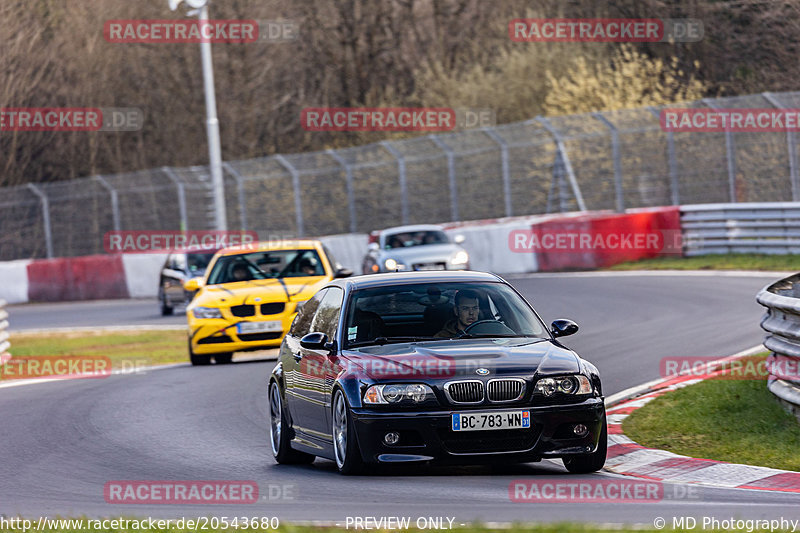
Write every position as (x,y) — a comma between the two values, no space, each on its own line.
(716,262)
(124,349)
(725,419)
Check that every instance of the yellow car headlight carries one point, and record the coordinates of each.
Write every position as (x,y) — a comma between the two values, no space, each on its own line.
(207,312)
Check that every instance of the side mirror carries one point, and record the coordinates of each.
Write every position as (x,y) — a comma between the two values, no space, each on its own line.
(563,327)
(458,239)
(314,341)
(373,247)
(343,273)
(193,284)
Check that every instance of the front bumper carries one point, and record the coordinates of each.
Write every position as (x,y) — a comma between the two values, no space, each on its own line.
(219,335)
(427,436)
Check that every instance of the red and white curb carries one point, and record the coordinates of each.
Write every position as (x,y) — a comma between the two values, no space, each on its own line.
(628,458)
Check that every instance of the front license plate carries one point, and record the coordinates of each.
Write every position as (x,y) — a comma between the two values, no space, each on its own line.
(491,420)
(259,327)
(430,266)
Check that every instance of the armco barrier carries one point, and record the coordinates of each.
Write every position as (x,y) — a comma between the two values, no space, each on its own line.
(92,277)
(782,323)
(14,281)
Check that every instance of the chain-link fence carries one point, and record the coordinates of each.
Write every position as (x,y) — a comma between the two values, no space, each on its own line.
(611,160)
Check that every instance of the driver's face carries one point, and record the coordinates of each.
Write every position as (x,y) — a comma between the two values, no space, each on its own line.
(467,311)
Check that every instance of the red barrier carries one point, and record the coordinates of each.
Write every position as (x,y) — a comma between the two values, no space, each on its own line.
(92,277)
(648,233)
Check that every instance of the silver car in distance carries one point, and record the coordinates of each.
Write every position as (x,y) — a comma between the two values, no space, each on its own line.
(417,247)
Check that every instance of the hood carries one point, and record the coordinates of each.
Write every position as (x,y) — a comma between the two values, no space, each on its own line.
(448,359)
(269,290)
(429,253)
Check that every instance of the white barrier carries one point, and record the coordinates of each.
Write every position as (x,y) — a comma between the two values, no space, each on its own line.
(488,248)
(14,281)
(142,272)
(4,344)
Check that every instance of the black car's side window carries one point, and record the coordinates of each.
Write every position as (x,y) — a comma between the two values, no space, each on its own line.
(326,320)
(302,323)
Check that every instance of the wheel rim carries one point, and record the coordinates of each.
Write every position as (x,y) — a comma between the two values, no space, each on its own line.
(275,418)
(340,429)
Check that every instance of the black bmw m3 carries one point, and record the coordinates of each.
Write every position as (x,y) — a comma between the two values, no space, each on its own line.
(444,367)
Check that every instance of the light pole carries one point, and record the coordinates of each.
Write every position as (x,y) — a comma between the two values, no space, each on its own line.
(200,8)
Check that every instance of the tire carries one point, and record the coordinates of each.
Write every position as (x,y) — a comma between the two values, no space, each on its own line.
(590,462)
(166,310)
(198,359)
(345,446)
(278,432)
(223,358)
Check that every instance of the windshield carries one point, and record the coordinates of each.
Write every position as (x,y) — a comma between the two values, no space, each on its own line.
(266,265)
(415,238)
(439,311)
(198,262)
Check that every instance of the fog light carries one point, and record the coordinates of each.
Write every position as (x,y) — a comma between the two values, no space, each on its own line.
(580,430)
(391,438)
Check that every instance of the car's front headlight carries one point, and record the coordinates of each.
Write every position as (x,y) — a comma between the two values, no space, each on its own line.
(392,265)
(207,312)
(575,384)
(397,393)
(461,258)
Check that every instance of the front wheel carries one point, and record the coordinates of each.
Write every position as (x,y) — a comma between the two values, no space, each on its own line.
(590,462)
(198,359)
(345,445)
(166,309)
(279,432)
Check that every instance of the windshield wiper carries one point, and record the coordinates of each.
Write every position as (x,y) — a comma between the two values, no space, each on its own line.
(391,340)
(498,336)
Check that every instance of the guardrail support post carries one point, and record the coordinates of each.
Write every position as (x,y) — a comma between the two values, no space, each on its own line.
(401,176)
(504,167)
(615,154)
(672,161)
(48,234)
(729,154)
(351,196)
(114,200)
(298,200)
(240,191)
(181,195)
(451,175)
(791,147)
(565,160)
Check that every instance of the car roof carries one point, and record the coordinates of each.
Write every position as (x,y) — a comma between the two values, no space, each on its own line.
(402,278)
(283,244)
(412,228)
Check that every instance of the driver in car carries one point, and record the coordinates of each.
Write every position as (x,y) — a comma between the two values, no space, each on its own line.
(467,309)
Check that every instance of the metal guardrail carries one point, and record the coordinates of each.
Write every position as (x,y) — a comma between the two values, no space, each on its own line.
(5,345)
(782,323)
(767,228)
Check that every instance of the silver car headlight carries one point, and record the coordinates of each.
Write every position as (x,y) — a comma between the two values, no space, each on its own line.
(575,384)
(392,264)
(396,393)
(461,258)
(207,312)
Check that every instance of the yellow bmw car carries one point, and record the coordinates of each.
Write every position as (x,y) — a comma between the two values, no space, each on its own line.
(250,295)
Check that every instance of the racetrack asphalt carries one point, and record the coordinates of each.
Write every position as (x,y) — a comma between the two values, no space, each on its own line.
(62,441)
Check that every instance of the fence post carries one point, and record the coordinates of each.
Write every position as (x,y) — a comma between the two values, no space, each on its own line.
(401,172)
(48,234)
(298,201)
(114,200)
(672,162)
(504,166)
(615,154)
(181,195)
(351,195)
(240,191)
(730,156)
(565,160)
(791,147)
(451,175)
